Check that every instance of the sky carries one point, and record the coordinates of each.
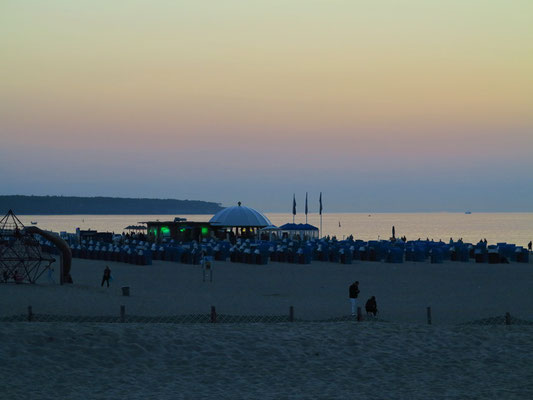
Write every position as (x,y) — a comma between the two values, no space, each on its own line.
(384,106)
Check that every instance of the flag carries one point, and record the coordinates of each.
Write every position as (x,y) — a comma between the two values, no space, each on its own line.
(305,203)
(293,204)
(320,201)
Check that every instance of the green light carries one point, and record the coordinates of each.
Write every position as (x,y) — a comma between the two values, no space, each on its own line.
(165,230)
(182,230)
(205,230)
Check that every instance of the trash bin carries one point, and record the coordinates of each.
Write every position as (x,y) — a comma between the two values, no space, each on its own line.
(125,291)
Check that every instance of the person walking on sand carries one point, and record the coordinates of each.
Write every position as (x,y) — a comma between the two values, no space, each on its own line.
(107,276)
(529,246)
(354,292)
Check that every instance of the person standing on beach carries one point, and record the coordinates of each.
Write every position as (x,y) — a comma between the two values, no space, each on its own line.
(107,276)
(529,246)
(354,292)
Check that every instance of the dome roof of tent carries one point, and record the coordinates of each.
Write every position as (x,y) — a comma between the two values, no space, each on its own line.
(240,216)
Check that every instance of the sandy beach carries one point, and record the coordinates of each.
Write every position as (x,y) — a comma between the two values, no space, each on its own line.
(456,292)
(265,361)
(397,356)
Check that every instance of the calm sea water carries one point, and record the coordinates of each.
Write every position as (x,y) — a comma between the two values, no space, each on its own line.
(495,227)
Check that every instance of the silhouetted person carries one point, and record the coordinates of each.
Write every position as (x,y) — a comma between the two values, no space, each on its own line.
(107,276)
(371,306)
(354,292)
(529,245)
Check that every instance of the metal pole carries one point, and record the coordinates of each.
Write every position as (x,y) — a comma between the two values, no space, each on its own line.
(30,313)
(213,315)
(122,313)
(429,315)
(291,314)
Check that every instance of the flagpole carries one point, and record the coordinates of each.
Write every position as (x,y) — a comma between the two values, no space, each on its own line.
(320,211)
(293,207)
(306,207)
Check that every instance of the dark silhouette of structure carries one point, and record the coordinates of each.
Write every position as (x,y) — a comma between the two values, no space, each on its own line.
(21,258)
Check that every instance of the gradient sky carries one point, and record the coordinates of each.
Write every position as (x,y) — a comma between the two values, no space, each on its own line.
(382,105)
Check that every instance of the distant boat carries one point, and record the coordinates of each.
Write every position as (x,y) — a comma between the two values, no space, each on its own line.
(468,212)
(33,222)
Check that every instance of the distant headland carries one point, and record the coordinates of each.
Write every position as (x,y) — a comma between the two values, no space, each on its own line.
(69,205)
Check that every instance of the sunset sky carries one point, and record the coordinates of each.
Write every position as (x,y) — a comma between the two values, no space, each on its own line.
(381,105)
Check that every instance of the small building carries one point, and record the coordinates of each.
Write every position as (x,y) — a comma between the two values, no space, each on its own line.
(304,231)
(95,236)
(180,230)
(135,229)
(234,221)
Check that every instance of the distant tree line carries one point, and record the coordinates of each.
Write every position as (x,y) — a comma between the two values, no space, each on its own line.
(64,205)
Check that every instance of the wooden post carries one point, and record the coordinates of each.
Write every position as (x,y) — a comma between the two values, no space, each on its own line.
(429,315)
(213,315)
(122,313)
(359,314)
(507,318)
(30,313)
(291,314)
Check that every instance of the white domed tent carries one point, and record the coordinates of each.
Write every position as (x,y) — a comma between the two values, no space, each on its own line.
(245,220)
(240,216)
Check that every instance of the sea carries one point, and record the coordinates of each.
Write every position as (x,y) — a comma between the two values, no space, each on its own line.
(514,228)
